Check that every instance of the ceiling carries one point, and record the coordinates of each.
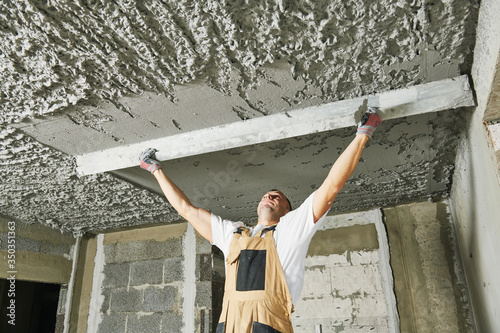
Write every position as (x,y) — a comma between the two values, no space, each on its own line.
(81,77)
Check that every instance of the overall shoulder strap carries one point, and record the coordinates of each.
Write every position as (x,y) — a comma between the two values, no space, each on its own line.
(234,251)
(242,231)
(269,231)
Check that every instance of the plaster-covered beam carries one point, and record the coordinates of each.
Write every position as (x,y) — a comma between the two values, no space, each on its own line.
(429,97)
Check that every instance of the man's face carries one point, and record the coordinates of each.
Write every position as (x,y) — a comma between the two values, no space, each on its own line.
(274,202)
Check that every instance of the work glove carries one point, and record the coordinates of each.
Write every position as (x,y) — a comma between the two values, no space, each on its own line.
(369,122)
(148,160)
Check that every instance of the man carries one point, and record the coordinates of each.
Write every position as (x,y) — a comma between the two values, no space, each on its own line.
(265,264)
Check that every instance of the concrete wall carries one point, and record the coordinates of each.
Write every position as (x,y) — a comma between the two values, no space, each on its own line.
(428,276)
(42,254)
(348,280)
(396,270)
(343,288)
(155,279)
(475,194)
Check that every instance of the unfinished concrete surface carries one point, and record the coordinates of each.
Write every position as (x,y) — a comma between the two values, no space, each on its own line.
(81,77)
(153,280)
(476,189)
(429,282)
(159,278)
(43,254)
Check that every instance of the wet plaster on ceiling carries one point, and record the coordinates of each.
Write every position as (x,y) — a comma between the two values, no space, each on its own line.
(89,75)
(410,158)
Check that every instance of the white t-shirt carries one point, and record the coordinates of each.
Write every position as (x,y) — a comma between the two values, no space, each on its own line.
(292,237)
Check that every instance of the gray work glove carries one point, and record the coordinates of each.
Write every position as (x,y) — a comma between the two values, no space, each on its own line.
(369,122)
(148,160)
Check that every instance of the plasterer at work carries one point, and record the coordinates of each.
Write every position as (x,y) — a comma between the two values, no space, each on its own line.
(265,264)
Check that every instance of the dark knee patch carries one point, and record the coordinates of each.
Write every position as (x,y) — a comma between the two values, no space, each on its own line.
(262,328)
(220,328)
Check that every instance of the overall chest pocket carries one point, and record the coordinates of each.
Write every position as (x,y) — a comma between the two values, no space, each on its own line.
(251,270)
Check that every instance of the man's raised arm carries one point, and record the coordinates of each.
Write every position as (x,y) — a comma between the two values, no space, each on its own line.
(344,165)
(199,218)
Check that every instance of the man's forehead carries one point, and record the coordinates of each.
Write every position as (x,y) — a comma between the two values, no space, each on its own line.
(275,192)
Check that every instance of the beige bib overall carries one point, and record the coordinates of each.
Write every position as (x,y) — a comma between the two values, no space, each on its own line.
(256,298)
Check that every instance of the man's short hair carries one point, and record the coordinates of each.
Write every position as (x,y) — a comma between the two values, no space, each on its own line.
(289,204)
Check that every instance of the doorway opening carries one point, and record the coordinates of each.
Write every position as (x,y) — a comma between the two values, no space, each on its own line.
(31,306)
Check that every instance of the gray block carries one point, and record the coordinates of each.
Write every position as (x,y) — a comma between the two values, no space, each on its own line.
(203,321)
(26,244)
(146,272)
(107,298)
(202,245)
(55,249)
(204,294)
(204,267)
(3,241)
(161,299)
(123,300)
(147,250)
(110,253)
(116,275)
(59,324)
(144,324)
(171,322)
(173,269)
(114,323)
(61,305)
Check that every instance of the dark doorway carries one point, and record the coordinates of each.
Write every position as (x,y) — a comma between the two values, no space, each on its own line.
(35,306)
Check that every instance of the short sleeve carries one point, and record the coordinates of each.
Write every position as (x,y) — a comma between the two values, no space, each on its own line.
(293,236)
(222,232)
(298,226)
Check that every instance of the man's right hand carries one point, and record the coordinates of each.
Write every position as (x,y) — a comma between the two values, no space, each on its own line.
(148,160)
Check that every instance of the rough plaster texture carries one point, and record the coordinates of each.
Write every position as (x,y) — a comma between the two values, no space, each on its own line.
(429,280)
(83,76)
(476,185)
(408,158)
(59,53)
(39,186)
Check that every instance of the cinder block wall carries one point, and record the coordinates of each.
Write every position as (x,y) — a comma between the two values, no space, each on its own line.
(145,283)
(351,284)
(375,271)
(343,288)
(43,254)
